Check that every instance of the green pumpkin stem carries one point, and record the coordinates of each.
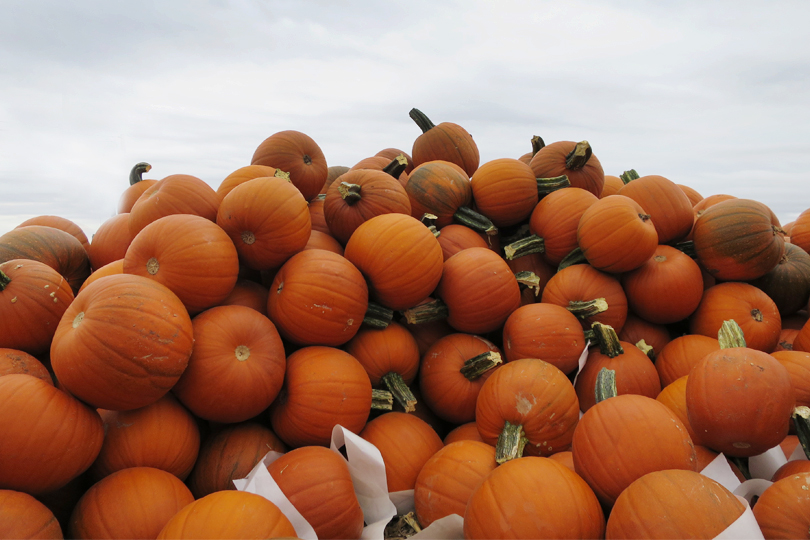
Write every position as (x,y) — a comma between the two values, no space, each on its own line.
(525,246)
(547,185)
(587,308)
(382,400)
(397,166)
(608,340)
(349,192)
(378,316)
(528,280)
(476,366)
(575,257)
(429,221)
(136,174)
(629,176)
(475,220)
(433,310)
(421,120)
(801,419)
(579,156)
(646,349)
(4,280)
(396,385)
(687,247)
(730,335)
(605,385)
(537,144)
(510,443)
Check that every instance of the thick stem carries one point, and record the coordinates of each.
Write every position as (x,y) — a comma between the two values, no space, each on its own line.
(629,176)
(475,220)
(478,365)
(528,280)
(401,527)
(510,444)
(730,335)
(605,385)
(579,156)
(687,247)
(4,280)
(427,312)
(382,400)
(136,174)
(286,176)
(396,385)
(429,221)
(575,257)
(547,185)
(646,349)
(801,419)
(421,120)
(608,340)
(526,246)
(537,144)
(397,166)
(349,192)
(587,308)
(378,316)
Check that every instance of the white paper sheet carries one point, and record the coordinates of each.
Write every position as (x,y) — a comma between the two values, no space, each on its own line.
(744,528)
(765,464)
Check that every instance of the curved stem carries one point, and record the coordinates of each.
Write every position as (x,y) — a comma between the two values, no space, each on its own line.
(475,220)
(429,221)
(528,280)
(646,349)
(421,120)
(396,385)
(478,365)
(730,335)
(537,144)
(397,166)
(510,444)
(587,308)
(547,185)
(575,257)
(579,156)
(136,174)
(350,192)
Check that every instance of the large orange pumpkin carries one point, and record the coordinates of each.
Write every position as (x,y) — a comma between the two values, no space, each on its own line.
(504,190)
(242,175)
(555,219)
(174,194)
(782,510)
(14,361)
(680,355)
(446,141)
(298,154)
(58,222)
(574,160)
(439,188)
(668,206)
(23,516)
(110,241)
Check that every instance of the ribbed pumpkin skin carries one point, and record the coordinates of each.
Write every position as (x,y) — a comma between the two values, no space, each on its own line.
(504,190)
(439,188)
(22,516)
(448,393)
(665,289)
(249,294)
(788,284)
(122,343)
(622,438)
(555,219)
(666,203)
(131,195)
(319,240)
(326,386)
(673,504)
(400,258)
(740,400)
(681,354)
(448,478)
(800,231)
(655,335)
(163,435)
(49,437)
(406,442)
(378,163)
(131,503)
(267,221)
(229,514)
(782,510)
(546,331)
(791,468)
(691,194)
(174,194)
(447,141)
(109,269)
(674,397)
(616,235)
(14,361)
(751,308)
(533,497)
(58,222)
(110,241)
(550,162)
(583,282)
(33,298)
(390,350)
(380,193)
(802,339)
(316,216)
(242,175)
(58,249)
(236,368)
(392,153)
(317,482)
(298,154)
(231,453)
(798,366)
(464,432)
(318,298)
(479,289)
(735,240)
(455,237)
(534,394)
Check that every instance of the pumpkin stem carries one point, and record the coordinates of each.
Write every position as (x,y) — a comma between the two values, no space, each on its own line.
(730,335)
(429,221)
(608,340)
(349,192)
(4,280)
(605,385)
(478,365)
(528,280)
(646,349)
(579,156)
(629,176)
(396,385)
(397,166)
(402,527)
(547,185)
(382,400)
(378,316)
(687,247)
(537,144)
(587,308)
(510,444)
(421,120)
(590,336)
(136,174)
(801,419)
(526,246)
(475,220)
(286,176)
(575,257)
(427,312)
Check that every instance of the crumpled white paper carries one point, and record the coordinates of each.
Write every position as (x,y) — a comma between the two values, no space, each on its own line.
(765,464)
(744,527)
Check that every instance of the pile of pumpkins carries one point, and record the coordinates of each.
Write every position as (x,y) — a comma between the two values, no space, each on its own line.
(437,308)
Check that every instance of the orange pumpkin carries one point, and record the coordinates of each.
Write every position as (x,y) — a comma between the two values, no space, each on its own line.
(668,206)
(439,188)
(456,237)
(174,194)
(58,222)
(546,331)
(242,175)
(555,219)
(782,510)
(681,354)
(574,160)
(504,190)
(14,361)
(298,154)
(110,241)
(446,141)
(22,516)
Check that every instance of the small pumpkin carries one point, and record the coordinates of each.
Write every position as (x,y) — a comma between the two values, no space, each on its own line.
(446,141)
(572,159)
(174,194)
(23,516)
(110,241)
(504,190)
(782,510)
(297,154)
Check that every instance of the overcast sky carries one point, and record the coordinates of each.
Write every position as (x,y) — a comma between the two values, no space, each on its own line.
(709,94)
